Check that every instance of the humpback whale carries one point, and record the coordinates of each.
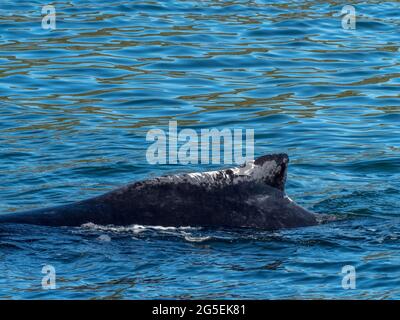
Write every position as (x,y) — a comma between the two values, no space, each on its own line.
(251,195)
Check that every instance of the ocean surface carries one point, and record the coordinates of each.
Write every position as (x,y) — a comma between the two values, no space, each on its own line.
(76,104)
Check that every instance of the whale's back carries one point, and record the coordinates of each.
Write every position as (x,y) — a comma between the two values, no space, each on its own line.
(251,195)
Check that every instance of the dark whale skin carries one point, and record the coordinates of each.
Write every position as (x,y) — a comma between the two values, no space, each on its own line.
(250,196)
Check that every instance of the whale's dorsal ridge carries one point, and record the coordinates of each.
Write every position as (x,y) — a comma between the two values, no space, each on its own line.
(268,169)
(273,169)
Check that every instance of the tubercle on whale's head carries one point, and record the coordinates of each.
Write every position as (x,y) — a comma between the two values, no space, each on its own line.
(271,169)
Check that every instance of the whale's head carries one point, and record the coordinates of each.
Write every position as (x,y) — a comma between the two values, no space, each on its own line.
(270,169)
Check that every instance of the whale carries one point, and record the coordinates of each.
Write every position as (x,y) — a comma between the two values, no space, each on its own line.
(251,195)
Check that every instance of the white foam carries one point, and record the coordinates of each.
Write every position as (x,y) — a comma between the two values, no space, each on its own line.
(196,239)
(136,229)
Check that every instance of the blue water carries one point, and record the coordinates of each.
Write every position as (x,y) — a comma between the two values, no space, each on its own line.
(76,103)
